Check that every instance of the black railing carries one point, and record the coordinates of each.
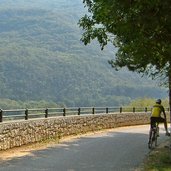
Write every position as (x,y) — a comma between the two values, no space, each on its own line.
(25,114)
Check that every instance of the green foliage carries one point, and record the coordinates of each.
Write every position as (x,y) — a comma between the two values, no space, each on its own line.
(41,58)
(139,29)
(158,160)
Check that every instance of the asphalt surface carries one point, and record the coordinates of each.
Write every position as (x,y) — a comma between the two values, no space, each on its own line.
(121,149)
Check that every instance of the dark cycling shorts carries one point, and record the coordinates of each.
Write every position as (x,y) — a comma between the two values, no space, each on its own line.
(155,120)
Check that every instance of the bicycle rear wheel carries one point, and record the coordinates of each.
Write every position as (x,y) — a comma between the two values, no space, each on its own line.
(152,140)
(155,141)
(150,144)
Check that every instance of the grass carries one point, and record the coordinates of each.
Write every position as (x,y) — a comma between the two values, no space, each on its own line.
(159,159)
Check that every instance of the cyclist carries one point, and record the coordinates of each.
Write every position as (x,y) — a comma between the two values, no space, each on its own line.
(156,115)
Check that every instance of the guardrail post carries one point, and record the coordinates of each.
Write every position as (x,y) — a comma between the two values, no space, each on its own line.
(79,111)
(26,114)
(133,109)
(107,110)
(46,113)
(120,109)
(64,112)
(145,109)
(93,110)
(1,114)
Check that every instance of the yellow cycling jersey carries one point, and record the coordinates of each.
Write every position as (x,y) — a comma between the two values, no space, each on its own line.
(157,110)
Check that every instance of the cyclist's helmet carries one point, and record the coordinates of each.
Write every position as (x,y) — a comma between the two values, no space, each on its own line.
(158,101)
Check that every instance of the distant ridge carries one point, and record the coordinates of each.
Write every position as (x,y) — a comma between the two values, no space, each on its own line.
(42,58)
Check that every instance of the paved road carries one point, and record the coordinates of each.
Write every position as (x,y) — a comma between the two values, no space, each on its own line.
(121,149)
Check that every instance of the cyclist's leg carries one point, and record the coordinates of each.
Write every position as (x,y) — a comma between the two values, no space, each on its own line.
(153,121)
(162,120)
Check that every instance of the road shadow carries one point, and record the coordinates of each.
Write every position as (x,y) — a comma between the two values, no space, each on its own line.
(116,149)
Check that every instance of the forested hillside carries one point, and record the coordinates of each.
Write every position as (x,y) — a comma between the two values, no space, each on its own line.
(42,58)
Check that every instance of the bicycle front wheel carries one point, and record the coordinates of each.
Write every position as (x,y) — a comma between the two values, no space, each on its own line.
(152,140)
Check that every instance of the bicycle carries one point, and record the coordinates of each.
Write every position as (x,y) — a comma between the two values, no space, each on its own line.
(153,135)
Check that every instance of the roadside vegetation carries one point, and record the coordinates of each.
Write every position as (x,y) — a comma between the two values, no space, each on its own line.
(159,159)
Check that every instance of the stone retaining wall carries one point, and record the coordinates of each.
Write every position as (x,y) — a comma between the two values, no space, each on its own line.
(18,133)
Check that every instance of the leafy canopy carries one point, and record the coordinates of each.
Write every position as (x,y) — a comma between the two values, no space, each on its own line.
(139,29)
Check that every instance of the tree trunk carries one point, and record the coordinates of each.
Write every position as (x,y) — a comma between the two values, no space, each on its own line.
(170,94)
(170,101)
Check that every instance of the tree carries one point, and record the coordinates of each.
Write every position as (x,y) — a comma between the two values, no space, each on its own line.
(139,29)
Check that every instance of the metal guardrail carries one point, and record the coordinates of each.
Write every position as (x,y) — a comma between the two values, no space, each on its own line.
(25,114)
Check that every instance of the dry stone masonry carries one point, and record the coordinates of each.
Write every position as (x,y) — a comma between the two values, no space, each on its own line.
(18,133)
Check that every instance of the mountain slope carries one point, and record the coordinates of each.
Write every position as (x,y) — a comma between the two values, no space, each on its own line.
(41,57)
